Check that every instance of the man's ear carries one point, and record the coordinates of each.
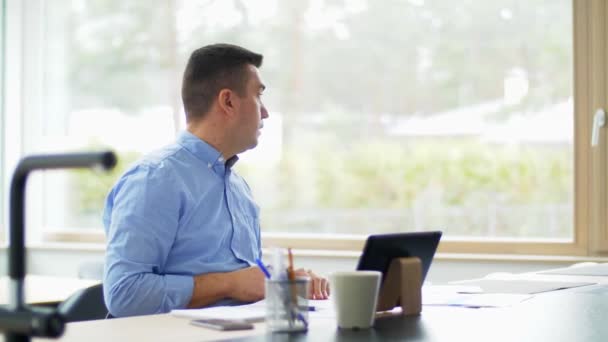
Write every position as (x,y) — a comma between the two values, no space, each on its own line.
(226,101)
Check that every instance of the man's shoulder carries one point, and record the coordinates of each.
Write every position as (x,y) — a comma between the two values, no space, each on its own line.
(160,159)
(162,155)
(158,162)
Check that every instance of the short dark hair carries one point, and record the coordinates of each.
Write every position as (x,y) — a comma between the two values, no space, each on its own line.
(212,68)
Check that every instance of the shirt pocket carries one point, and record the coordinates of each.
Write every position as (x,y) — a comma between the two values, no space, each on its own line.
(246,238)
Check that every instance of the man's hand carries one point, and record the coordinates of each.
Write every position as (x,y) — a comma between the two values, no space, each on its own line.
(247,284)
(319,286)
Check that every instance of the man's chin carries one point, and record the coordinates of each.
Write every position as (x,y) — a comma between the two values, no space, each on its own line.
(253,145)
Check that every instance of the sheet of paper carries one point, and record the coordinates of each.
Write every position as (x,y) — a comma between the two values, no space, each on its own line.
(478,300)
(449,295)
(255,312)
(593,290)
(520,286)
(451,289)
(323,309)
(587,270)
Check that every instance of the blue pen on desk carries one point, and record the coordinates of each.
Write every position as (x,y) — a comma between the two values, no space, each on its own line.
(263,268)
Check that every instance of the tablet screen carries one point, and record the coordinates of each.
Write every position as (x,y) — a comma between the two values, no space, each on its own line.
(380,249)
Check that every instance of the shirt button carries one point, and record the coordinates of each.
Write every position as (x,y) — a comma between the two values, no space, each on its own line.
(209,165)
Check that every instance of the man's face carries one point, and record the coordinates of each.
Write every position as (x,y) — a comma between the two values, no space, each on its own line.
(250,111)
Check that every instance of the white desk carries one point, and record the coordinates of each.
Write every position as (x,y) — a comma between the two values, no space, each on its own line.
(147,328)
(565,315)
(45,289)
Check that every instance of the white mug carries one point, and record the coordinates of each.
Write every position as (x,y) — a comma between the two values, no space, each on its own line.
(355,296)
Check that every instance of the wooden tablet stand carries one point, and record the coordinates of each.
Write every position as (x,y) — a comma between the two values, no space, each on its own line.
(402,286)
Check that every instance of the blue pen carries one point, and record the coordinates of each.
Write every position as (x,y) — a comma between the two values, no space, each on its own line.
(307,308)
(301,318)
(263,268)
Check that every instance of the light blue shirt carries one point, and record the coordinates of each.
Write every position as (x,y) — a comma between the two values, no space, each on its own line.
(178,212)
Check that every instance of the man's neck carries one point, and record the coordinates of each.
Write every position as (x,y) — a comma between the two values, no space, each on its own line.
(213,135)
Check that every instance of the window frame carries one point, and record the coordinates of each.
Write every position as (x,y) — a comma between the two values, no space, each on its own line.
(593,76)
(590,226)
(13,99)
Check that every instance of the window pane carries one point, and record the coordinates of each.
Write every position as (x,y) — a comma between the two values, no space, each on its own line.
(384,115)
(3,193)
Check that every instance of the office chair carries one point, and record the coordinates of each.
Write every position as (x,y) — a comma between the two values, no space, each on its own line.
(84,305)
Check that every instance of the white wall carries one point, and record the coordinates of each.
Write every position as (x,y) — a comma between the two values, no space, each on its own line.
(64,262)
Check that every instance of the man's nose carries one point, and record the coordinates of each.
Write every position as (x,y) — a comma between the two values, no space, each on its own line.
(264,112)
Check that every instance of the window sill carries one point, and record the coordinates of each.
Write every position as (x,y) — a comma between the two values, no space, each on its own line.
(333,246)
(62,247)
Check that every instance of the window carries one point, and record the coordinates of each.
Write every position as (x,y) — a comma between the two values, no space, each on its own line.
(384,116)
(2,134)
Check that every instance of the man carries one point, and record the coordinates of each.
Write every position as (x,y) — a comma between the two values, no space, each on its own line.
(182,226)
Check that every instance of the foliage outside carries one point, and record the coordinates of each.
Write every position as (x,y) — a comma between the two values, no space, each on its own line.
(464,188)
(351,64)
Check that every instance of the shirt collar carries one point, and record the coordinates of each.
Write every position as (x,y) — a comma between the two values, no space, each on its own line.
(231,161)
(203,151)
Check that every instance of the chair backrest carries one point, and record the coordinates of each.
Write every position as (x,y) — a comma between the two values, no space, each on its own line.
(86,304)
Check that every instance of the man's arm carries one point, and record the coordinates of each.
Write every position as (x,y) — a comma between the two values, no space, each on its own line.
(142,214)
(245,285)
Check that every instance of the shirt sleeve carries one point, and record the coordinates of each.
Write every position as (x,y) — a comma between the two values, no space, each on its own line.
(142,217)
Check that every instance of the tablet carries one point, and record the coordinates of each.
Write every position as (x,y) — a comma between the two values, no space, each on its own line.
(380,249)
